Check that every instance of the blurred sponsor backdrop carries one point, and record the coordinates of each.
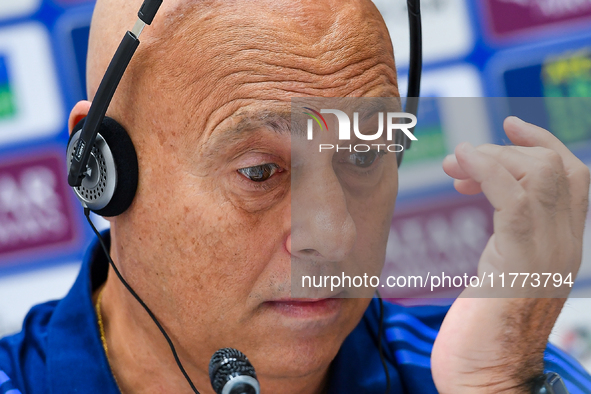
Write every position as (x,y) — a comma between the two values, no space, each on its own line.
(472,48)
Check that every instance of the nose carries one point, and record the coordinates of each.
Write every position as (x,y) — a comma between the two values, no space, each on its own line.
(322,227)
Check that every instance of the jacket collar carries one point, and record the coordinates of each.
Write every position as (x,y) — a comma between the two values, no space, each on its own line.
(76,360)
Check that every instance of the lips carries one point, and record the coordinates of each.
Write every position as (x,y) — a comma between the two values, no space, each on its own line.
(307,307)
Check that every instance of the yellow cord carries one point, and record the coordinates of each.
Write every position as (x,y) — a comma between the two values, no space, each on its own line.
(101,325)
(100,322)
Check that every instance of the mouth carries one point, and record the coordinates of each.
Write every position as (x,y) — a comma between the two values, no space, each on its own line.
(307,308)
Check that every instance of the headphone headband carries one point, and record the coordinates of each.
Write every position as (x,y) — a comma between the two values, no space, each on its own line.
(107,89)
(415,69)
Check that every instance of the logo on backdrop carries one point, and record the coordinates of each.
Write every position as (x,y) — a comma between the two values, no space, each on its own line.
(512,17)
(35,207)
(30,100)
(391,119)
(553,8)
(7,103)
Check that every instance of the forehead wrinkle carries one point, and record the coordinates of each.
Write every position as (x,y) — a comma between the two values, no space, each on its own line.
(252,79)
(297,11)
(229,38)
(293,68)
(256,89)
(205,61)
(299,82)
(339,49)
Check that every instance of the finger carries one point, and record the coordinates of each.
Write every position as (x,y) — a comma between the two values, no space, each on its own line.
(516,158)
(522,162)
(514,218)
(539,171)
(530,165)
(453,169)
(497,183)
(514,161)
(528,135)
(468,187)
(462,181)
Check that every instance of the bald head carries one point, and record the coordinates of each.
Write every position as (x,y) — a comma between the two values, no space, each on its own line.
(216,54)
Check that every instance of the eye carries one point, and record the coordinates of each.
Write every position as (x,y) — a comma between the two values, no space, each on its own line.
(260,173)
(363,159)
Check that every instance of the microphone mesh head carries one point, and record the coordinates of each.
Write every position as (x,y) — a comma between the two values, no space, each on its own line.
(226,364)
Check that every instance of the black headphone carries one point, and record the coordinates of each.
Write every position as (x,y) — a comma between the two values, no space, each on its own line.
(110,180)
(102,162)
(103,166)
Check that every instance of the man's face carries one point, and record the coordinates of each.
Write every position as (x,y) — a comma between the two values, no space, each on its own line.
(210,237)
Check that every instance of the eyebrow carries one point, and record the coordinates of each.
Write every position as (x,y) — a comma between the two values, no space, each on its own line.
(277,121)
(274,120)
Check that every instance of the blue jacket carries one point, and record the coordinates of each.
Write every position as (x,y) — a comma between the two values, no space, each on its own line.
(59,350)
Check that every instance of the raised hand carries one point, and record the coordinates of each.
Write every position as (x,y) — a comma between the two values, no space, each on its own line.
(539,190)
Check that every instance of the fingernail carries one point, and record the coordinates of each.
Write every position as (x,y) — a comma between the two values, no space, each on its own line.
(450,157)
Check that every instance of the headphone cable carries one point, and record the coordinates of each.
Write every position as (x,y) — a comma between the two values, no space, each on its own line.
(137,297)
(171,345)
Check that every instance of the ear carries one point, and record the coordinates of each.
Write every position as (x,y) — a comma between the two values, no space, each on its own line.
(79,112)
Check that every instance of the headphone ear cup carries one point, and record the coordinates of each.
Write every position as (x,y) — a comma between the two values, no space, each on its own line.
(117,170)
